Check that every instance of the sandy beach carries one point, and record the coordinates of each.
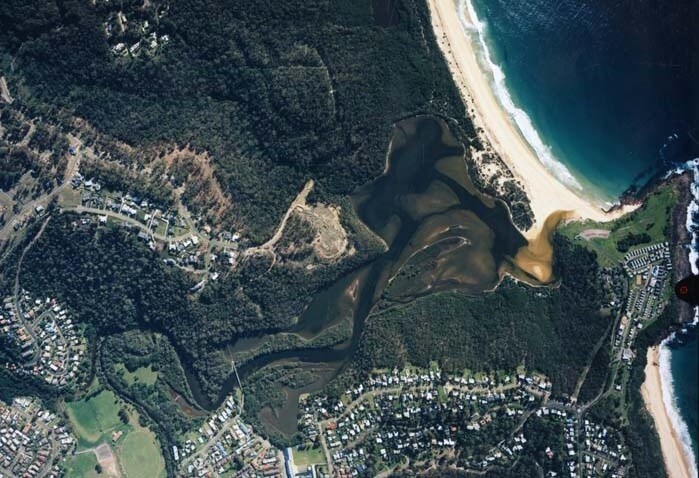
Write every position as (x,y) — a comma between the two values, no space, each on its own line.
(546,193)
(670,443)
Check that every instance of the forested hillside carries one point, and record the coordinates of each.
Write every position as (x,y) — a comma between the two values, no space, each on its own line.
(115,283)
(551,330)
(276,91)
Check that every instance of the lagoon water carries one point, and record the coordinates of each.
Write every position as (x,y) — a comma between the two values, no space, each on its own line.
(611,89)
(434,223)
(611,113)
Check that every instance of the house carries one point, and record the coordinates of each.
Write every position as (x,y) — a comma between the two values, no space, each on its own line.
(627,355)
(119,49)
(134,49)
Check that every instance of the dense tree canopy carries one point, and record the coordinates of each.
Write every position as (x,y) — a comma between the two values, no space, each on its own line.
(276,91)
(550,330)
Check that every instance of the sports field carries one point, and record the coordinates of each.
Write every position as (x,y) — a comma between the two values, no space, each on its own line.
(140,455)
(310,456)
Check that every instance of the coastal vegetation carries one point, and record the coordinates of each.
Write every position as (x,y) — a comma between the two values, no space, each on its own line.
(597,374)
(631,239)
(33,153)
(144,368)
(14,384)
(267,395)
(251,100)
(127,287)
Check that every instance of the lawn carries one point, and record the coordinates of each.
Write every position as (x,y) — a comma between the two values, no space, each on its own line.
(71,197)
(144,375)
(140,455)
(161,227)
(94,417)
(651,219)
(82,466)
(310,456)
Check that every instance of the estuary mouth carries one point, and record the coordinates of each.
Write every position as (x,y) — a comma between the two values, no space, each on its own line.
(536,258)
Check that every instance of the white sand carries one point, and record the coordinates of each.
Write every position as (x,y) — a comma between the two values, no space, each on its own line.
(670,442)
(546,193)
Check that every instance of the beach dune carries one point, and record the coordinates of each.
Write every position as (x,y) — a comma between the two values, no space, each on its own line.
(546,193)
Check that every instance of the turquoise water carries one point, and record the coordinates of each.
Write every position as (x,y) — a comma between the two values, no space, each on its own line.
(607,84)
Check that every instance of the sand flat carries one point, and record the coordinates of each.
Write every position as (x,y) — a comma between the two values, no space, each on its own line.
(546,193)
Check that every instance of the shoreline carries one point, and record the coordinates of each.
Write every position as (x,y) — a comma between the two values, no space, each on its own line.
(654,394)
(547,194)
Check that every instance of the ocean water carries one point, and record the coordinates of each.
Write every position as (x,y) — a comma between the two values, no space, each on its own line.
(608,86)
(607,94)
(683,363)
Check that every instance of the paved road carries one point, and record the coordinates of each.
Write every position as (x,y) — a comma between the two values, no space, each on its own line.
(16,291)
(300,200)
(4,91)
(28,208)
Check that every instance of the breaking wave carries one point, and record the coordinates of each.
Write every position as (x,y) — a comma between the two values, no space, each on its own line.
(519,116)
(693,217)
(670,403)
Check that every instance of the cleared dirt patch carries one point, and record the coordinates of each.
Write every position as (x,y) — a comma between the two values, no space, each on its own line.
(298,203)
(107,460)
(201,187)
(330,241)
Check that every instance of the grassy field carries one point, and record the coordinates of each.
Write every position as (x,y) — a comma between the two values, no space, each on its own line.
(82,466)
(94,386)
(652,219)
(95,417)
(144,375)
(140,455)
(310,456)
(71,197)
(161,228)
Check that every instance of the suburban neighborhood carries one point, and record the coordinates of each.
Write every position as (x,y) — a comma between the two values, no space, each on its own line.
(184,241)
(32,440)
(52,345)
(414,419)
(224,446)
